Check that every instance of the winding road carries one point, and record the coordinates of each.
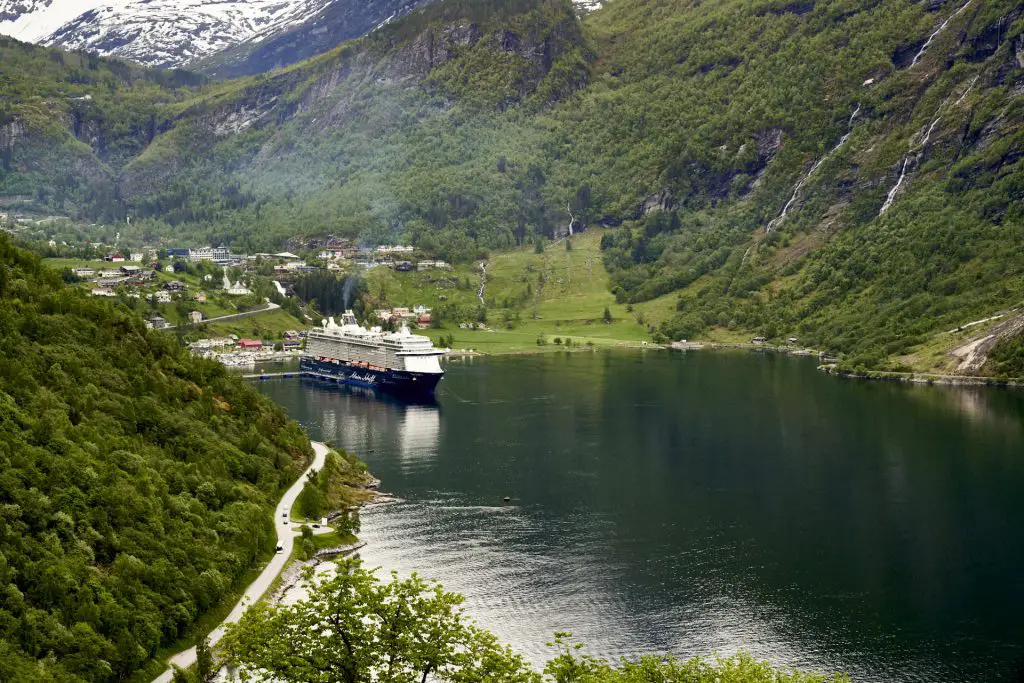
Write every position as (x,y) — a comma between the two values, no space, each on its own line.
(286,533)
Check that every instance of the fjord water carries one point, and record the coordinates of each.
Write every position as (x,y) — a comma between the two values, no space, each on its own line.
(705,502)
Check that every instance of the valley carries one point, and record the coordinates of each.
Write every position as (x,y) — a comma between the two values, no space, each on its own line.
(573,196)
(858,189)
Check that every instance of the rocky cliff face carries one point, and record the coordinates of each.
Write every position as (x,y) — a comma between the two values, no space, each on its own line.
(328,87)
(11,133)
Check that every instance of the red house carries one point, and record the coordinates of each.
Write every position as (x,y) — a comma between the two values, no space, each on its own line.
(250,344)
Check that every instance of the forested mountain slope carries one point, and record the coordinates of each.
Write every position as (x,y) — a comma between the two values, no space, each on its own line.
(136,483)
(848,171)
(69,121)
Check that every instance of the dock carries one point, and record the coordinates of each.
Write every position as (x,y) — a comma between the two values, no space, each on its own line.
(293,374)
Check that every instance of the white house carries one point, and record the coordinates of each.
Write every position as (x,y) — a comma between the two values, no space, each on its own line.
(238,289)
(195,317)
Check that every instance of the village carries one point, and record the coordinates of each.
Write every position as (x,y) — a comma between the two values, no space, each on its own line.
(234,351)
(245,300)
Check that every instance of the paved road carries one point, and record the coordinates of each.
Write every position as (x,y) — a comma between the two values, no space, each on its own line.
(263,308)
(286,533)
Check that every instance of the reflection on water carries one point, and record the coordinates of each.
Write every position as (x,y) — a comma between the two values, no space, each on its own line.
(419,432)
(359,419)
(701,503)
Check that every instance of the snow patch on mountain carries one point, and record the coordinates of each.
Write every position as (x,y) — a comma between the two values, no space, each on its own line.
(33,20)
(175,32)
(161,33)
(165,33)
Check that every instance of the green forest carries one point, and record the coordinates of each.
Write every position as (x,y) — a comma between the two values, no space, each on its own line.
(136,482)
(819,170)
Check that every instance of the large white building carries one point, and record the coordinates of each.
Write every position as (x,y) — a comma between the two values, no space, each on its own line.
(219,254)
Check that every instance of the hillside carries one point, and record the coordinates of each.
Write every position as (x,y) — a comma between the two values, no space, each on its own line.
(136,483)
(529,300)
(845,172)
(69,121)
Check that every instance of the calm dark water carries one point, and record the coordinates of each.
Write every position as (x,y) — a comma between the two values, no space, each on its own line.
(705,503)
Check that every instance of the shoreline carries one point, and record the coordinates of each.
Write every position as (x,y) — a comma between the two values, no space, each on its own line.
(286,535)
(829,367)
(289,578)
(926,378)
(827,364)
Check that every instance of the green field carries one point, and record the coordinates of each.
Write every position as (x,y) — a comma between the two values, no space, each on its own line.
(266,325)
(558,293)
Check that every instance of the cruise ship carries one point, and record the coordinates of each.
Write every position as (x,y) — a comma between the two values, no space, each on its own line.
(398,362)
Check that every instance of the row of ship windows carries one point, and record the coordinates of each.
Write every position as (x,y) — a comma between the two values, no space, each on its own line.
(391,344)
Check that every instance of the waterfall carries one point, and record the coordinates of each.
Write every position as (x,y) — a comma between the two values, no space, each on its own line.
(895,188)
(906,162)
(936,32)
(928,135)
(967,91)
(800,184)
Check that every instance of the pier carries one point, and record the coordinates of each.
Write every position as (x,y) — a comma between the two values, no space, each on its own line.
(291,375)
(275,375)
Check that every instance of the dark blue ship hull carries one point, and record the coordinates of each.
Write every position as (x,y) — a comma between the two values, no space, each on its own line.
(401,383)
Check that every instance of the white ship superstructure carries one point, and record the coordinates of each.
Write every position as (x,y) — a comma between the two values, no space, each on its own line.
(348,352)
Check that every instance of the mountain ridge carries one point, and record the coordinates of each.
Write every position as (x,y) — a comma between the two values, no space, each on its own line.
(222,37)
(757,163)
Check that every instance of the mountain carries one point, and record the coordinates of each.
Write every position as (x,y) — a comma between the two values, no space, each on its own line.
(166,33)
(137,484)
(224,38)
(844,171)
(162,33)
(336,23)
(172,33)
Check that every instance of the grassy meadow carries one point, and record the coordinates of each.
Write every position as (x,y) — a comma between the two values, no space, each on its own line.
(529,297)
